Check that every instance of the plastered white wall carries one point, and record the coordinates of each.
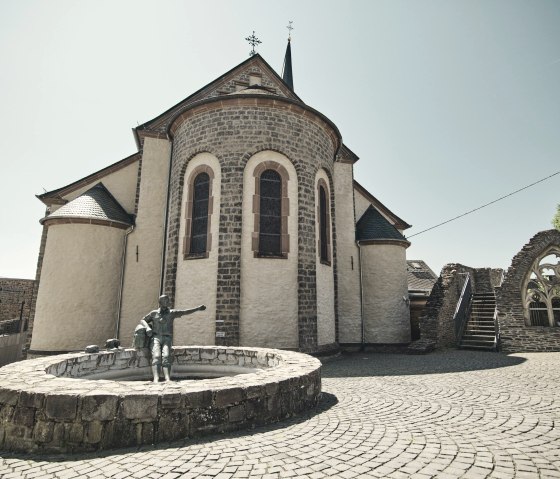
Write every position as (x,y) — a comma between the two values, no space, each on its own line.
(348,267)
(196,278)
(121,184)
(325,274)
(77,297)
(386,313)
(143,272)
(362,204)
(269,287)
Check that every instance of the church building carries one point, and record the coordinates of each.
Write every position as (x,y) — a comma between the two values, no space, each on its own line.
(241,197)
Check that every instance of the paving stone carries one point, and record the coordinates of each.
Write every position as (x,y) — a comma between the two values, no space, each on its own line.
(445,415)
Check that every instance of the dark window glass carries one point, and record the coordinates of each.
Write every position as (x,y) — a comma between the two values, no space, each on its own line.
(199,228)
(538,313)
(556,310)
(270,227)
(323,224)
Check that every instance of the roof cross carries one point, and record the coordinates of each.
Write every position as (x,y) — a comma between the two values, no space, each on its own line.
(290,28)
(253,41)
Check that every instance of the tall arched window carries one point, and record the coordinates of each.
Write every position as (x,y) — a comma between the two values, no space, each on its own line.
(323,224)
(271,208)
(198,213)
(270,227)
(542,294)
(324,246)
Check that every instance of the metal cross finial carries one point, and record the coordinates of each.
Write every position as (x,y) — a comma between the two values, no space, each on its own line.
(253,41)
(290,28)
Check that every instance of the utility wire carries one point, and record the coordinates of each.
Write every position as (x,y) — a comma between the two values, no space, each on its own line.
(487,204)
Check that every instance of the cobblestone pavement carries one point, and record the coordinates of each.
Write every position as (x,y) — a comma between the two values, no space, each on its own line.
(448,414)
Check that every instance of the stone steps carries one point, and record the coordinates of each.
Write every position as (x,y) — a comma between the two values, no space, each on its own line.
(480,330)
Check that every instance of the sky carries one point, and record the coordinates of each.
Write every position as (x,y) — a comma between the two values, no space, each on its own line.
(449,104)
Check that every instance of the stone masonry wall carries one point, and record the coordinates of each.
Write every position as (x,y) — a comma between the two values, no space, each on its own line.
(516,336)
(436,323)
(42,410)
(233,133)
(14,292)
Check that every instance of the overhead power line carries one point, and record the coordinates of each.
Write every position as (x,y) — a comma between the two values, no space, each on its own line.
(487,204)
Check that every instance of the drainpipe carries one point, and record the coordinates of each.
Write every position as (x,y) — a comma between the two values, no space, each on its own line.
(121,286)
(363,339)
(164,242)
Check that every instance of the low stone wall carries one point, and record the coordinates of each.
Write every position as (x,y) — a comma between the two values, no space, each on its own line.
(53,405)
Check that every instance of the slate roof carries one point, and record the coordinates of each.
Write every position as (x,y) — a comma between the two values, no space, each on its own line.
(420,276)
(95,204)
(373,226)
(398,222)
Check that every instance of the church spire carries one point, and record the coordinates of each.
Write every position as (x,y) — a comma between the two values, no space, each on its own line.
(287,70)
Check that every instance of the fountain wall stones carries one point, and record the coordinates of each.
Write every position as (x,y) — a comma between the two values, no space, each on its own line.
(80,402)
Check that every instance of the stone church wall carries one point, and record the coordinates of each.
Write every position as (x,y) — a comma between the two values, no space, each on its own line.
(348,266)
(269,320)
(325,277)
(515,334)
(234,130)
(386,313)
(196,278)
(86,308)
(141,285)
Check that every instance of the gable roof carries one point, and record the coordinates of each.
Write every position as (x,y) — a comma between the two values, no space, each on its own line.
(223,85)
(96,204)
(420,276)
(56,196)
(398,222)
(374,226)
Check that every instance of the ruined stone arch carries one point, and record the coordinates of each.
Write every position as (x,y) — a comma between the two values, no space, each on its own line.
(541,291)
(513,299)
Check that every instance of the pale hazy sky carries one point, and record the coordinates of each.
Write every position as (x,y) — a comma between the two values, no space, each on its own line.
(448,104)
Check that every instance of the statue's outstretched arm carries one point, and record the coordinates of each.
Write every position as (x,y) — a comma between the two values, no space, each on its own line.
(184,312)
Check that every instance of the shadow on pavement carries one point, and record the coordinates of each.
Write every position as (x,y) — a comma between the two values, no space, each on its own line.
(439,362)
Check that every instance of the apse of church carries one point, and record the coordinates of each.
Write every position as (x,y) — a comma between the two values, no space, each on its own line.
(240,197)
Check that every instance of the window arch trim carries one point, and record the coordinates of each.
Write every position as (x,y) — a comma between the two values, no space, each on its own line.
(189,205)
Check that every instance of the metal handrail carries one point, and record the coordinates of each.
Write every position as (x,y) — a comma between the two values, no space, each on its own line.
(463,308)
(496,330)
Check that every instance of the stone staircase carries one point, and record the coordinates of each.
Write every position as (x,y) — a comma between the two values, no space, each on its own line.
(480,331)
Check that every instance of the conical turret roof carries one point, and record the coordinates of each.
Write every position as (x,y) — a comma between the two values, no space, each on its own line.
(96,204)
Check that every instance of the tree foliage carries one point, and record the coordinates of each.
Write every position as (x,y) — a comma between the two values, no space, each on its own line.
(556,219)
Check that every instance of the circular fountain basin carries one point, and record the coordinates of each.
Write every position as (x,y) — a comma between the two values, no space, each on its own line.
(86,402)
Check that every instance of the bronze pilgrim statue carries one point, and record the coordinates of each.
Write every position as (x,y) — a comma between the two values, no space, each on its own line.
(158,328)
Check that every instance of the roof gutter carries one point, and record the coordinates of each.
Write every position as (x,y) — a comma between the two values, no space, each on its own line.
(362,324)
(121,285)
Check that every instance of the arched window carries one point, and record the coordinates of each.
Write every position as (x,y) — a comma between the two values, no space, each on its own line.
(270,227)
(542,293)
(198,213)
(324,246)
(271,209)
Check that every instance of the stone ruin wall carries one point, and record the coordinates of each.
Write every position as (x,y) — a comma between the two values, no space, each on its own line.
(515,335)
(437,329)
(12,293)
